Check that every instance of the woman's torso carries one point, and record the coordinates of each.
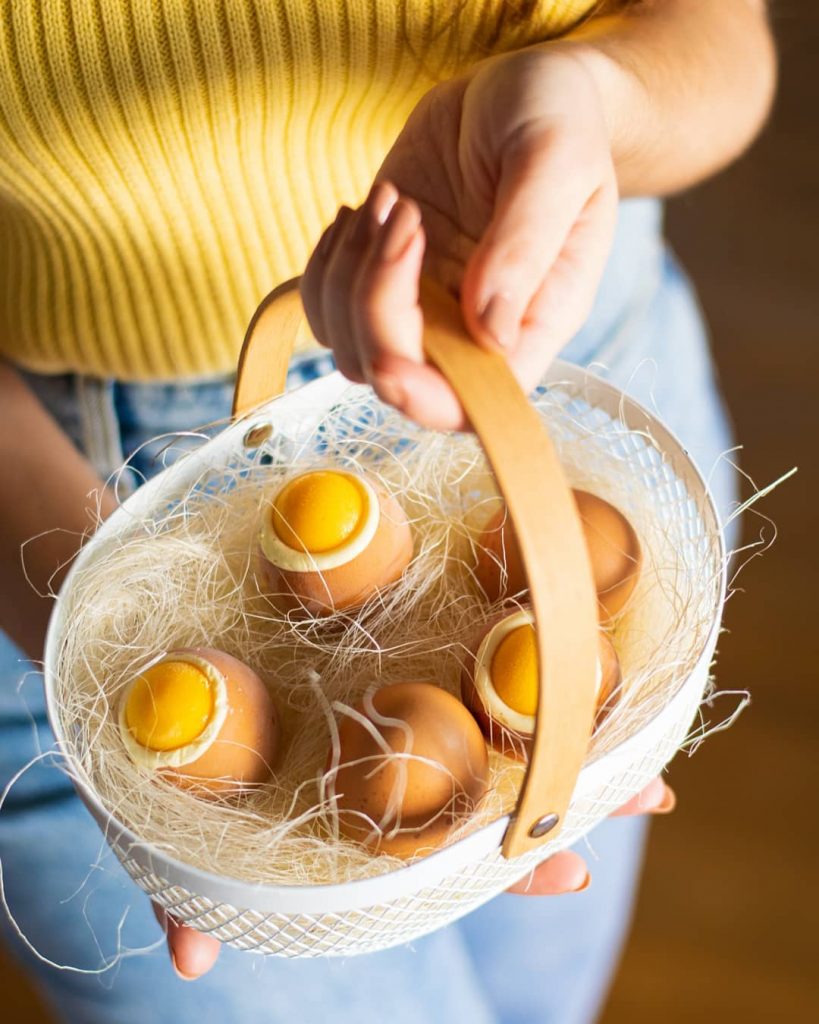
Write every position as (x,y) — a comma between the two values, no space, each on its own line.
(163,163)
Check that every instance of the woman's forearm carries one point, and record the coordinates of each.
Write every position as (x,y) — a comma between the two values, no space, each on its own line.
(49,492)
(686,86)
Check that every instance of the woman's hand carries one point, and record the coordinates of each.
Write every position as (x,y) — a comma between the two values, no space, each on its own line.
(501,186)
(193,954)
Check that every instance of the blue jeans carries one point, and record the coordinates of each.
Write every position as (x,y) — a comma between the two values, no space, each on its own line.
(517,959)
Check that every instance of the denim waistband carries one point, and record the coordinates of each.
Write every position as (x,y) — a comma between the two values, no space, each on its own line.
(108,419)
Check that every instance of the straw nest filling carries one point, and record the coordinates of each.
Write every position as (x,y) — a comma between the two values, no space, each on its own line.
(188,575)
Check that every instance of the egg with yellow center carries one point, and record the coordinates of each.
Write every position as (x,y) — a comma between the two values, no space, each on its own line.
(330,540)
(499,682)
(203,719)
(612,545)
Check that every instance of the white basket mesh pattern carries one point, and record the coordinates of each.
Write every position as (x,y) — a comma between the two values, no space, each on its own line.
(390,924)
(585,434)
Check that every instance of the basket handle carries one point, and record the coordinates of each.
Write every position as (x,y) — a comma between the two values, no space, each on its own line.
(544,515)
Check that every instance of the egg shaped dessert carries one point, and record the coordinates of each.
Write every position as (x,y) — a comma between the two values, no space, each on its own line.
(403,784)
(330,539)
(614,553)
(203,719)
(499,681)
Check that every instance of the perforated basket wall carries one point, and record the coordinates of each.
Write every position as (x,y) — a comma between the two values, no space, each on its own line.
(614,434)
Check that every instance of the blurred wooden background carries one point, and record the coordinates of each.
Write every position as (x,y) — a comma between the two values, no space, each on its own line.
(726,926)
(725,929)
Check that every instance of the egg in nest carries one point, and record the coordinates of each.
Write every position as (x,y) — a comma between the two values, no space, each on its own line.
(331,539)
(499,682)
(203,719)
(611,541)
(412,765)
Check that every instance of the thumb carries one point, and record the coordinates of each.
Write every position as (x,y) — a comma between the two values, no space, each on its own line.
(192,953)
(540,193)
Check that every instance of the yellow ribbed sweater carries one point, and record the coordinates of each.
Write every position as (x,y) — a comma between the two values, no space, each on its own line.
(164,163)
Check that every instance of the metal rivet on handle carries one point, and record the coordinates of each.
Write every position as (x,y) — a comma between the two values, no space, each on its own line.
(544,825)
(257,435)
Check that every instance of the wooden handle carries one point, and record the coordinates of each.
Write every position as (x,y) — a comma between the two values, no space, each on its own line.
(268,347)
(543,513)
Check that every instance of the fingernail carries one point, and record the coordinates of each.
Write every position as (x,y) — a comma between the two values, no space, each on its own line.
(499,320)
(381,200)
(372,214)
(668,802)
(181,974)
(389,389)
(584,884)
(398,231)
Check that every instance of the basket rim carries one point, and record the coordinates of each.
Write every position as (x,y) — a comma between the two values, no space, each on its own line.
(410,878)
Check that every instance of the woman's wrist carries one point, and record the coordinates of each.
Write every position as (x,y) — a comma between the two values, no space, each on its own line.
(599,90)
(684,88)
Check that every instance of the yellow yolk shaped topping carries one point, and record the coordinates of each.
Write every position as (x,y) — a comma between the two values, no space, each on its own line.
(514,670)
(319,511)
(169,705)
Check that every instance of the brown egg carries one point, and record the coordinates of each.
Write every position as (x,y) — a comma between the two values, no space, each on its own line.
(203,719)
(330,540)
(499,681)
(614,552)
(400,805)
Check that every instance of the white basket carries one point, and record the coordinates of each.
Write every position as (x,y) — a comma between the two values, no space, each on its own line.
(376,913)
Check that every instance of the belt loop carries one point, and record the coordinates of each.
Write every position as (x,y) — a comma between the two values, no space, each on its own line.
(102,441)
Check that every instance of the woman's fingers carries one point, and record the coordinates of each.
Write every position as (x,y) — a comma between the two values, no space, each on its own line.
(385,312)
(388,323)
(360,293)
(655,798)
(343,267)
(192,953)
(312,279)
(536,204)
(565,872)
(360,288)
(328,281)
(420,392)
(564,299)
